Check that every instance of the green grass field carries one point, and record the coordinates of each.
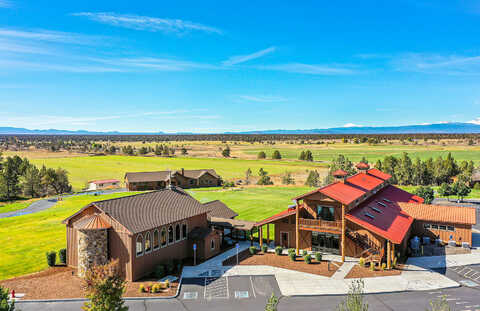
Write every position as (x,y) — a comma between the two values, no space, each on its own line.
(15,206)
(372,153)
(83,169)
(475,194)
(25,239)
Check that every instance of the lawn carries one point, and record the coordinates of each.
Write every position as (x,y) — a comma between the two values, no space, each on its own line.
(83,169)
(15,206)
(25,239)
(475,194)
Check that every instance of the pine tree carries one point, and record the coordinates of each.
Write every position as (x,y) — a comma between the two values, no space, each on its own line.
(276,155)
(313,179)
(261,155)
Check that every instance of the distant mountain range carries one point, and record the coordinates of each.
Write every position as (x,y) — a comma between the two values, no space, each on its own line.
(441,128)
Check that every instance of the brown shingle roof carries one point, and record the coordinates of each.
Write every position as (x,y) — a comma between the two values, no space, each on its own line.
(476,175)
(197,173)
(218,209)
(440,213)
(164,175)
(149,210)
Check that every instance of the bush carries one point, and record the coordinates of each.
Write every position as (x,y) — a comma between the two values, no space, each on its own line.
(355,298)
(361,262)
(155,288)
(159,271)
(6,305)
(62,256)
(383,266)
(291,250)
(394,263)
(303,252)
(141,288)
(51,258)
(307,258)
(318,256)
(278,250)
(372,266)
(292,256)
(252,250)
(264,248)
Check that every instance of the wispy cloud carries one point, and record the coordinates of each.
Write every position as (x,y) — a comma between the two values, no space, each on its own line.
(352,125)
(238,59)
(158,64)
(437,64)
(475,121)
(5,4)
(263,98)
(18,47)
(148,23)
(49,36)
(327,70)
(52,66)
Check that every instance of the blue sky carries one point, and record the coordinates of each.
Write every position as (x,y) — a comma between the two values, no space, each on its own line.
(214,66)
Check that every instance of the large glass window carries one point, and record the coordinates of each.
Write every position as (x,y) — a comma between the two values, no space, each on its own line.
(184,231)
(170,235)
(177,232)
(156,239)
(139,245)
(148,242)
(163,237)
(326,213)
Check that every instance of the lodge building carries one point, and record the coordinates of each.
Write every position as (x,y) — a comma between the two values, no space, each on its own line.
(365,216)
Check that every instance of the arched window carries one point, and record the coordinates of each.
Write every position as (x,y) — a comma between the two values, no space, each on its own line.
(177,232)
(163,237)
(139,245)
(156,239)
(184,231)
(212,244)
(148,243)
(170,234)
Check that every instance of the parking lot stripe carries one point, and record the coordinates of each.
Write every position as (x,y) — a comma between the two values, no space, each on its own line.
(228,293)
(253,288)
(205,289)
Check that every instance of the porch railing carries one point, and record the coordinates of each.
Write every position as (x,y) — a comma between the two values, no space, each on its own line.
(319,224)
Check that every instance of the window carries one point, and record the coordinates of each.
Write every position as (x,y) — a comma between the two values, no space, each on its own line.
(163,237)
(191,181)
(212,244)
(369,215)
(148,243)
(156,239)
(426,226)
(170,234)
(326,213)
(184,231)
(443,227)
(177,232)
(451,228)
(139,245)
(435,227)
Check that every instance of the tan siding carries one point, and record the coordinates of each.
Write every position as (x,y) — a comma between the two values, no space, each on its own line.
(462,233)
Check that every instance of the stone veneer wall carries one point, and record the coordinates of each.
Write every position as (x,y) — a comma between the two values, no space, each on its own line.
(92,249)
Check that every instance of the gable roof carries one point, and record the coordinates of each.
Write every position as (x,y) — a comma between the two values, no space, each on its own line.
(379,174)
(92,222)
(103,181)
(282,214)
(440,213)
(145,211)
(218,209)
(164,175)
(365,181)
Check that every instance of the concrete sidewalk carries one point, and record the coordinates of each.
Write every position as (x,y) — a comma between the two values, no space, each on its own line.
(294,283)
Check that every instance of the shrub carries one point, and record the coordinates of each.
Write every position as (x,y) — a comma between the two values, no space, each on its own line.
(167,283)
(155,288)
(104,287)
(272,303)
(355,298)
(141,288)
(307,258)
(318,256)
(439,304)
(372,266)
(291,250)
(6,305)
(159,271)
(264,248)
(252,250)
(361,262)
(163,285)
(51,258)
(303,252)
(170,267)
(394,264)
(62,255)
(292,256)
(278,250)
(383,266)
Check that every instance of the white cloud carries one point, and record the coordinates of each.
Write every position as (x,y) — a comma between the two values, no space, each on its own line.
(310,69)
(475,121)
(147,23)
(437,64)
(17,47)
(263,98)
(238,59)
(45,66)
(49,36)
(5,4)
(160,64)
(352,125)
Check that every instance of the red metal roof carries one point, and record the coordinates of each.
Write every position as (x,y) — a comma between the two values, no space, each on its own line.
(341,173)
(379,174)
(342,192)
(103,181)
(362,166)
(282,214)
(365,181)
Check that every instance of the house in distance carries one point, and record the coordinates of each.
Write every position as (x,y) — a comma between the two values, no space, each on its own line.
(141,181)
(103,184)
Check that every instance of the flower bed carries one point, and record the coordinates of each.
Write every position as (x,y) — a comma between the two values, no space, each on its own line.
(365,272)
(59,283)
(283,261)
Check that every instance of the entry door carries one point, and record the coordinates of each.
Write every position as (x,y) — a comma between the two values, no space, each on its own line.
(284,239)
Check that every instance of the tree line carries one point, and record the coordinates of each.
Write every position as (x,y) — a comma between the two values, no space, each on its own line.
(18,177)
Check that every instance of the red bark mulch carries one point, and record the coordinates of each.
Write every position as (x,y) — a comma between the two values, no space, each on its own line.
(283,261)
(365,272)
(59,283)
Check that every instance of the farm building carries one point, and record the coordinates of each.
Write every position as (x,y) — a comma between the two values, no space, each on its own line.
(103,184)
(142,231)
(365,216)
(139,181)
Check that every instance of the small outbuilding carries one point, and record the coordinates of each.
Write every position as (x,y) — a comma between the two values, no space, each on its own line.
(103,184)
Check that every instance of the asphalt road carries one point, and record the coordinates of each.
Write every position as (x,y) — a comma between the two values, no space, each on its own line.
(222,294)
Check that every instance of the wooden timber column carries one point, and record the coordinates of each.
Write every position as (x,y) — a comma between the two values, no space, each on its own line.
(260,236)
(389,255)
(297,231)
(343,232)
(268,235)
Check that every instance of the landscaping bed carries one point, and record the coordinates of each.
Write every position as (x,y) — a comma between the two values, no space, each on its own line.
(59,283)
(322,268)
(365,272)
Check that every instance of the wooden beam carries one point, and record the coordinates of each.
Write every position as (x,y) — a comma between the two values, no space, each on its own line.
(389,255)
(297,230)
(260,236)
(343,232)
